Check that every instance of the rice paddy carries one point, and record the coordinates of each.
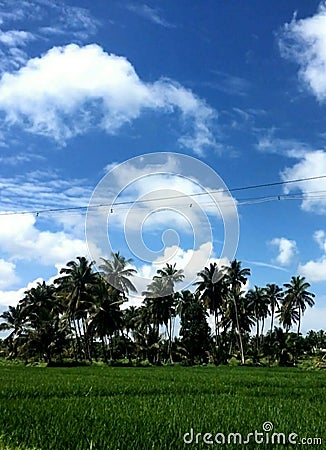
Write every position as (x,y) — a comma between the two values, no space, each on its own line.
(159,407)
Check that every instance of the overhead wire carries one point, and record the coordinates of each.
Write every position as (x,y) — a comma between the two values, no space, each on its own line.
(121,205)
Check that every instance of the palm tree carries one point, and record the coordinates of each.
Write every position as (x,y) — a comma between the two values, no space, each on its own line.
(147,333)
(287,315)
(75,285)
(212,291)
(40,308)
(37,301)
(194,329)
(183,299)
(117,273)
(160,304)
(258,302)
(235,278)
(274,294)
(105,316)
(12,320)
(170,276)
(129,319)
(296,294)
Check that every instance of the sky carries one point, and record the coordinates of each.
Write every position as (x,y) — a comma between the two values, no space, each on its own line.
(160,111)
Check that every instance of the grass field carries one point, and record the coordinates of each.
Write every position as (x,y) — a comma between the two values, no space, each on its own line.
(152,408)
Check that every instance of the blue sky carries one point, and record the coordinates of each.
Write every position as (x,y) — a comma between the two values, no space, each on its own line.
(87,85)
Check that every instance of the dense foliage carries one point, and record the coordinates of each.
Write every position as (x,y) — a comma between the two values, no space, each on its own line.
(81,316)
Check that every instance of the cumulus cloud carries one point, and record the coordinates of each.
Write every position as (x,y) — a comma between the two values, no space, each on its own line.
(191,261)
(287,249)
(320,237)
(73,88)
(161,200)
(21,240)
(311,164)
(12,297)
(8,276)
(304,41)
(315,270)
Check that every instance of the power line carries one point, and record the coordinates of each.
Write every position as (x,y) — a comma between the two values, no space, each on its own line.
(198,194)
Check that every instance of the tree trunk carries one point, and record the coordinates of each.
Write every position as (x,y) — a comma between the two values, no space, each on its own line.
(170,340)
(299,322)
(104,350)
(257,336)
(86,340)
(238,330)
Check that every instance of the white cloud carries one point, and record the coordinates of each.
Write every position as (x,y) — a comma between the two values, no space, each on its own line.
(229,84)
(311,164)
(151,14)
(70,89)
(315,270)
(269,143)
(15,37)
(304,41)
(8,276)
(161,200)
(41,190)
(267,265)
(191,261)
(11,298)
(20,158)
(21,240)
(73,22)
(60,17)
(287,250)
(320,237)
(314,318)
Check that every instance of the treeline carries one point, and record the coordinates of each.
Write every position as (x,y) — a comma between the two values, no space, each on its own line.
(83,316)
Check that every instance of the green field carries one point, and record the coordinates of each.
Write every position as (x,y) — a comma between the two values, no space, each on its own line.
(152,408)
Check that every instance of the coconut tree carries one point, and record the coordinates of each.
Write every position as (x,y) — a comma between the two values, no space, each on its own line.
(236,278)
(129,319)
(75,286)
(298,297)
(117,273)
(41,310)
(287,315)
(212,291)
(38,301)
(194,328)
(146,333)
(258,303)
(170,275)
(105,315)
(274,294)
(13,321)
(161,304)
